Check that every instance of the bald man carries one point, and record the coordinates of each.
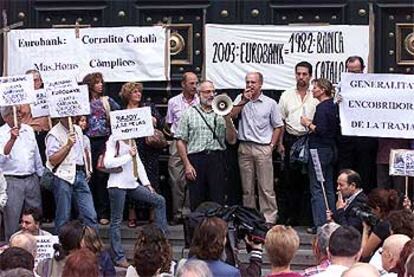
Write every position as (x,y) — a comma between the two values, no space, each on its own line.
(176,106)
(361,269)
(26,241)
(391,250)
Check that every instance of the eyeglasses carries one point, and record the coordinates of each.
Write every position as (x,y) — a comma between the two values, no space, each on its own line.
(211,91)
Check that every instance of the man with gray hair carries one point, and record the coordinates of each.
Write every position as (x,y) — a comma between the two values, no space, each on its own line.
(391,250)
(319,246)
(26,241)
(22,166)
(201,142)
(193,268)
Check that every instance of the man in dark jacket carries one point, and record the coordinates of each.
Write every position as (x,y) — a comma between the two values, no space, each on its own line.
(350,197)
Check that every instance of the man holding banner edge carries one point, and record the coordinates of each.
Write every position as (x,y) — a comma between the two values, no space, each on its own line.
(358,153)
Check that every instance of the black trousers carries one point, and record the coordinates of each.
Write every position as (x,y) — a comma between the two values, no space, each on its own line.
(359,154)
(211,182)
(48,201)
(295,188)
(99,180)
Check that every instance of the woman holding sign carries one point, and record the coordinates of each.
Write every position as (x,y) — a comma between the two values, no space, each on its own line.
(131,95)
(120,183)
(98,133)
(323,131)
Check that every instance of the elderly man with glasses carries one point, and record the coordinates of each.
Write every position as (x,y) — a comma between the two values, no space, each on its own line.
(202,137)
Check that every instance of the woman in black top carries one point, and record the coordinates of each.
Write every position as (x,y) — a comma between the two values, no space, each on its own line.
(323,130)
(381,201)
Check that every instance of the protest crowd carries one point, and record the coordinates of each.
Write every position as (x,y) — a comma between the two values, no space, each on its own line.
(77,173)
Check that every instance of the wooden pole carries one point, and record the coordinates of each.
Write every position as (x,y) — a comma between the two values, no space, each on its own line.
(16,123)
(70,123)
(5,29)
(325,198)
(406,186)
(49,121)
(134,160)
(5,44)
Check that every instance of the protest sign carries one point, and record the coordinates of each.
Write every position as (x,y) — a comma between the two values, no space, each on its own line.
(123,54)
(402,162)
(377,105)
(120,53)
(234,50)
(45,247)
(53,83)
(54,52)
(40,107)
(132,123)
(16,90)
(317,165)
(68,101)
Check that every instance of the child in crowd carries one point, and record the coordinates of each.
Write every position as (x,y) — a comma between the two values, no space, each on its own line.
(82,122)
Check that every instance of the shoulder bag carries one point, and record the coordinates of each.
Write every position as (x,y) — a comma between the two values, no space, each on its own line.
(100,163)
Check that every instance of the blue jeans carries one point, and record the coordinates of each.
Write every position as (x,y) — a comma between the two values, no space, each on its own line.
(327,159)
(117,202)
(63,193)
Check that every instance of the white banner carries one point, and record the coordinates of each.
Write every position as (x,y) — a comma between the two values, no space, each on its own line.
(377,105)
(16,90)
(54,52)
(40,107)
(120,53)
(132,123)
(234,50)
(70,101)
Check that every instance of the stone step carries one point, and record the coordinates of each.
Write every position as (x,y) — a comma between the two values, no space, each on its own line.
(303,259)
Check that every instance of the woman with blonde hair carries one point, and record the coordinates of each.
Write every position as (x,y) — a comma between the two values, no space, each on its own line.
(323,132)
(131,95)
(138,187)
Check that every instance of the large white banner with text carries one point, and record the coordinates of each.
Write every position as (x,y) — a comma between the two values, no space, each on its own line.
(234,50)
(120,53)
(377,105)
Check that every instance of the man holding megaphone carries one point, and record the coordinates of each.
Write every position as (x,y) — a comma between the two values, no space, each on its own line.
(260,127)
(201,143)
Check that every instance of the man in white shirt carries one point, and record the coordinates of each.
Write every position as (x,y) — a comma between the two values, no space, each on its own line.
(344,250)
(66,159)
(30,223)
(22,166)
(294,103)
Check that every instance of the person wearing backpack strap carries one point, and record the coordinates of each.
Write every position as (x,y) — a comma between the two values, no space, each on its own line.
(294,103)
(201,143)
